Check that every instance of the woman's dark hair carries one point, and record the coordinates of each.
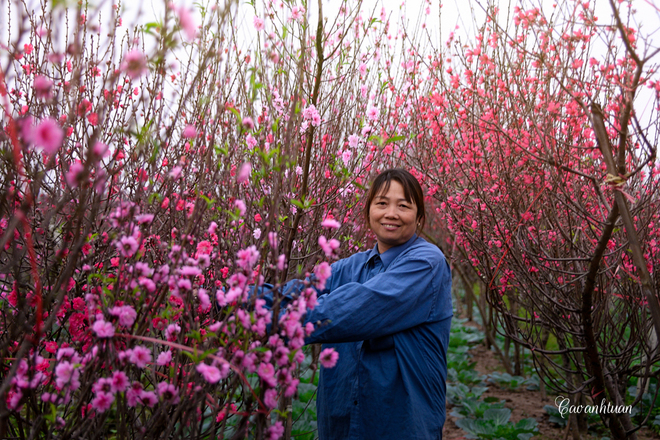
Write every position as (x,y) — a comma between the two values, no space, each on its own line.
(411,190)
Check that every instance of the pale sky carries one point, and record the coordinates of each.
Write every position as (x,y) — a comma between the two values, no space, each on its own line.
(441,19)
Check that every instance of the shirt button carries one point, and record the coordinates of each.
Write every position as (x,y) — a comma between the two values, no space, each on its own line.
(355,402)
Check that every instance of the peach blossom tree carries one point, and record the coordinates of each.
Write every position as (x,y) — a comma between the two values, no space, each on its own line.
(150,176)
(538,141)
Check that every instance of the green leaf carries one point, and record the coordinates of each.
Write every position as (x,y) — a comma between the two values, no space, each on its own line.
(555,416)
(376,139)
(148,28)
(393,139)
(208,352)
(527,424)
(478,391)
(235,112)
(480,428)
(52,416)
(196,335)
(466,425)
(192,356)
(306,392)
(499,416)
(209,202)
(383,86)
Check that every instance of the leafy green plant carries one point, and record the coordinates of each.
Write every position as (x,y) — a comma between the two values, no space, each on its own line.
(458,393)
(649,400)
(555,416)
(459,360)
(509,382)
(467,376)
(463,336)
(656,424)
(475,408)
(495,425)
(304,413)
(533,382)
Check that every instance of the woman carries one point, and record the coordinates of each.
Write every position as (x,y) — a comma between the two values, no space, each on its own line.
(387,312)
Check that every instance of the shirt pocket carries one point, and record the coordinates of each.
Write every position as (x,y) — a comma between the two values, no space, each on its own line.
(379,344)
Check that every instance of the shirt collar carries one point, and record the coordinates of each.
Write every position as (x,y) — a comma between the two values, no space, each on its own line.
(390,255)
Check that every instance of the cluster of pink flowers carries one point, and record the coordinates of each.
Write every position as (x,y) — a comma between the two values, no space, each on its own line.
(47,134)
(134,64)
(247,258)
(163,215)
(311,115)
(213,374)
(329,247)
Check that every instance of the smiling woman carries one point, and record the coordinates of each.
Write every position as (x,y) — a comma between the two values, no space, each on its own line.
(386,312)
(394,208)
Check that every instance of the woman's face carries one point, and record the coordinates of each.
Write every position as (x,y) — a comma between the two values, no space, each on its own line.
(392,218)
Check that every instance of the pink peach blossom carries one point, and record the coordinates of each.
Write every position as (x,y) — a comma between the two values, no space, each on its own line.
(270,398)
(330,223)
(329,246)
(103,401)
(210,373)
(244,173)
(353,141)
(272,239)
(48,135)
(126,315)
(322,272)
(168,393)
(103,329)
(346,156)
(187,22)
(266,372)
(372,113)
(67,374)
(133,394)
(140,356)
(190,132)
(275,431)
(73,176)
(127,246)
(297,13)
(164,358)
(148,398)
(119,382)
(247,258)
(248,123)
(328,358)
(240,204)
(144,218)
(134,64)
(42,87)
(281,262)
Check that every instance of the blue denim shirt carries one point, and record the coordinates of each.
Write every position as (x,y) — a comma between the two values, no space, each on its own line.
(388,316)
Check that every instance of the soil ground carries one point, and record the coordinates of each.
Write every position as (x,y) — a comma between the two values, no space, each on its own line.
(523,404)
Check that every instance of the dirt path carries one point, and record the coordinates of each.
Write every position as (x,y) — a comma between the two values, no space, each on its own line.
(523,404)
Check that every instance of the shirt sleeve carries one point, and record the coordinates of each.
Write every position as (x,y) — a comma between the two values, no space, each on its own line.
(409,293)
(292,288)
(266,291)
